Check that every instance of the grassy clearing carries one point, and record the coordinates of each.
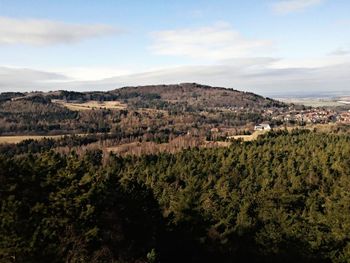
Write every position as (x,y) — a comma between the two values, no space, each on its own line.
(90,105)
(18,139)
(315,102)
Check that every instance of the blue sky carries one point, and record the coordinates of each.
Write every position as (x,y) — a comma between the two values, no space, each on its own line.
(272,47)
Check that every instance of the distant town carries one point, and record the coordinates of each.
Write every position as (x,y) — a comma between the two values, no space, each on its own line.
(308,116)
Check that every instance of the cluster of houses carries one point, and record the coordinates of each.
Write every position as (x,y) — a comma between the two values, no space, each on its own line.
(344,117)
(312,116)
(308,117)
(316,116)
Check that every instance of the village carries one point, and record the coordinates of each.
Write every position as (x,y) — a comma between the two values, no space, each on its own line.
(308,116)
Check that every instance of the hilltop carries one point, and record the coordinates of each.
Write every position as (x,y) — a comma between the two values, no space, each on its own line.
(196,95)
(191,95)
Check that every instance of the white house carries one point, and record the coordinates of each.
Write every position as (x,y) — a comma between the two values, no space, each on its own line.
(262,127)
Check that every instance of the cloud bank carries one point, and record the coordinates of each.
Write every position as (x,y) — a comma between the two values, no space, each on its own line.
(266,76)
(46,32)
(22,79)
(263,78)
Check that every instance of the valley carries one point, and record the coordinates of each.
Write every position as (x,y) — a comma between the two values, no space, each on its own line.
(156,117)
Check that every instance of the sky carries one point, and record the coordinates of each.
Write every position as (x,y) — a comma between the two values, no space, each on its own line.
(276,48)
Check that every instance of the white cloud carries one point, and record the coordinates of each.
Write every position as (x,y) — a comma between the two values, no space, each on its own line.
(23,79)
(46,32)
(290,6)
(217,42)
(272,78)
(266,76)
(311,62)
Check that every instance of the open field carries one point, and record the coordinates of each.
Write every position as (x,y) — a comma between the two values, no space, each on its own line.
(90,105)
(316,102)
(18,139)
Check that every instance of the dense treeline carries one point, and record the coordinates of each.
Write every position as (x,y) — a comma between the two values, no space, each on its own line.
(37,115)
(46,144)
(193,96)
(284,197)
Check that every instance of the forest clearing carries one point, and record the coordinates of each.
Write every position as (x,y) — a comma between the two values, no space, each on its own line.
(91,105)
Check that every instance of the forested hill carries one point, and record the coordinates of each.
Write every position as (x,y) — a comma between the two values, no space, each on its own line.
(195,94)
(184,107)
(191,95)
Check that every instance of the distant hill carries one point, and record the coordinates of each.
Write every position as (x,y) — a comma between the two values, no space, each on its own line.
(188,96)
(195,95)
